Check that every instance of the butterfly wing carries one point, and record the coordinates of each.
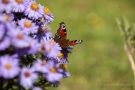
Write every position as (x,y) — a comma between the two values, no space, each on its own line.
(74,42)
(62,30)
(61,36)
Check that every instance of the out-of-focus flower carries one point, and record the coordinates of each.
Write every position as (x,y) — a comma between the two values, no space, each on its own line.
(6,5)
(19,39)
(37,88)
(9,66)
(62,58)
(51,48)
(63,70)
(53,75)
(42,47)
(20,5)
(4,39)
(6,18)
(40,66)
(28,77)
(48,35)
(33,46)
(45,26)
(3,31)
(5,43)
(43,33)
(34,10)
(48,17)
(27,26)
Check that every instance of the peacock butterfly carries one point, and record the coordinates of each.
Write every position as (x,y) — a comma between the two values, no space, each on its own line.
(61,38)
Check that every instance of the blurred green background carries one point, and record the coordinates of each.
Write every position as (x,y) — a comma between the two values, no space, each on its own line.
(100,62)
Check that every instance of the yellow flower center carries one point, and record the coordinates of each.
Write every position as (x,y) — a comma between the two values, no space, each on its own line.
(19,1)
(53,70)
(8,66)
(34,6)
(64,66)
(20,36)
(5,1)
(60,55)
(7,17)
(27,24)
(42,19)
(51,42)
(50,49)
(46,10)
(27,74)
(45,27)
(43,62)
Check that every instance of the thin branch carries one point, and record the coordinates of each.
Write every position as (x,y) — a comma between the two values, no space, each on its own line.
(125,27)
(128,50)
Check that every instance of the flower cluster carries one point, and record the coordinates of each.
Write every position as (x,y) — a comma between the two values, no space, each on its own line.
(29,56)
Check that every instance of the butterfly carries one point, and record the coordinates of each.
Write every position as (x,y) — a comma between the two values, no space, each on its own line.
(61,38)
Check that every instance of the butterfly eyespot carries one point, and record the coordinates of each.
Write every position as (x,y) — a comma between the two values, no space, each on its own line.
(58,36)
(78,41)
(63,28)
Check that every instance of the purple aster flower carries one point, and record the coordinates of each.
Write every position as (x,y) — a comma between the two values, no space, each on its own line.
(6,18)
(5,43)
(34,10)
(37,88)
(19,39)
(27,26)
(62,58)
(5,40)
(20,5)
(42,47)
(9,66)
(40,66)
(53,75)
(45,26)
(47,15)
(63,70)
(33,46)
(44,35)
(50,48)
(6,5)
(46,29)
(48,36)
(3,31)
(28,77)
